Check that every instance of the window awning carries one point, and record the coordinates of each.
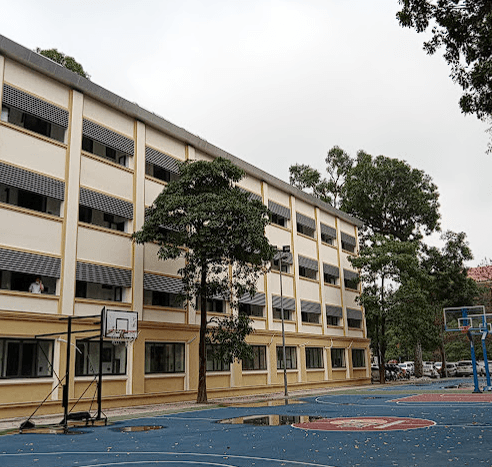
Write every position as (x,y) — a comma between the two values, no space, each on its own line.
(161,160)
(350,275)
(35,106)
(289,303)
(287,257)
(30,181)
(107,275)
(305,220)
(107,137)
(348,239)
(308,263)
(158,283)
(106,203)
(331,270)
(279,209)
(332,310)
(310,307)
(353,313)
(29,263)
(258,299)
(328,231)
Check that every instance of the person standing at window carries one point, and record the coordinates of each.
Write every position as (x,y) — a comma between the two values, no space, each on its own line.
(37,286)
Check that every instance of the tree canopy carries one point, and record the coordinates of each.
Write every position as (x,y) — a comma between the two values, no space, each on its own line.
(65,60)
(464,29)
(219,230)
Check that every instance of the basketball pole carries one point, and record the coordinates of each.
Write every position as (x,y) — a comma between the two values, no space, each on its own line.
(99,384)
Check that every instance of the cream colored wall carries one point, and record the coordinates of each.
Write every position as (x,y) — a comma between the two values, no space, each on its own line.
(350,299)
(278,236)
(308,290)
(106,178)
(164,316)
(328,255)
(278,196)
(84,307)
(28,231)
(36,83)
(153,264)
(27,303)
(32,153)
(165,144)
(96,246)
(306,246)
(251,184)
(287,284)
(332,295)
(200,156)
(152,190)
(107,117)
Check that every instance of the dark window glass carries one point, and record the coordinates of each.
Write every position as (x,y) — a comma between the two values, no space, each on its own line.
(278,220)
(348,247)
(277,314)
(26,358)
(329,279)
(251,310)
(338,358)
(309,317)
(304,230)
(332,320)
(164,357)
(87,359)
(314,357)
(307,273)
(354,323)
(325,238)
(358,358)
(258,362)
(290,358)
(214,364)
(37,125)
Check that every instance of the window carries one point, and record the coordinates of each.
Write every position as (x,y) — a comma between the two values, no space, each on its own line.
(358,358)
(19,281)
(308,273)
(102,219)
(332,320)
(348,247)
(32,123)
(95,291)
(350,279)
(160,173)
(251,310)
(277,219)
(288,314)
(326,238)
(100,149)
(29,200)
(26,358)
(276,266)
(354,323)
(308,317)
(290,358)
(165,299)
(305,230)
(338,358)
(87,359)
(330,279)
(213,305)
(348,242)
(258,362)
(214,364)
(314,357)
(164,357)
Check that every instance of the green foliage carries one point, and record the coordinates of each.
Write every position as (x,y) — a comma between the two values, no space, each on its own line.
(464,29)
(391,198)
(65,60)
(204,218)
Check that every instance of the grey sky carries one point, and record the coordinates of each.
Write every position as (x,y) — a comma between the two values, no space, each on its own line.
(279,82)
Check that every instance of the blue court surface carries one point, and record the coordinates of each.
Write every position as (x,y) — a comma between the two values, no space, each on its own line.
(409,425)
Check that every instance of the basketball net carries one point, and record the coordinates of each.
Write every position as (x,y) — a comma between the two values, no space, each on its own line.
(464,329)
(120,336)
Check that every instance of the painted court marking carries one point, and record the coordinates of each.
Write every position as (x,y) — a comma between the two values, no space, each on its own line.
(365,424)
(471,398)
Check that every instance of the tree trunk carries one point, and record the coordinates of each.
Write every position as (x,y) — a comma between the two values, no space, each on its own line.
(202,354)
(419,367)
(382,341)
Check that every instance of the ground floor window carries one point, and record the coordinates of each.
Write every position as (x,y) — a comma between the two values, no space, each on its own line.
(87,359)
(258,362)
(358,358)
(338,358)
(164,357)
(290,358)
(314,357)
(26,358)
(215,364)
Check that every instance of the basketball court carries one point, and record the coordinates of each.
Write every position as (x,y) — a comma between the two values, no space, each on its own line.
(432,424)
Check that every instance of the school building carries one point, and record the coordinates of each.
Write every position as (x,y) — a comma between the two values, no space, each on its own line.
(78,167)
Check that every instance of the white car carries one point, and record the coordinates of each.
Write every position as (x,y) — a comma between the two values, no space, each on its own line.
(429,370)
(451,368)
(464,368)
(407,368)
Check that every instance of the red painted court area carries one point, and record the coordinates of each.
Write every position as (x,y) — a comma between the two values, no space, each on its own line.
(479,397)
(365,424)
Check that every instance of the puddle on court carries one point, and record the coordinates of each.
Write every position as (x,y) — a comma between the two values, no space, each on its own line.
(270,420)
(273,403)
(130,429)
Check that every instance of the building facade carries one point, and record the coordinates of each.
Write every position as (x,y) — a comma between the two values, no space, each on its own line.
(78,167)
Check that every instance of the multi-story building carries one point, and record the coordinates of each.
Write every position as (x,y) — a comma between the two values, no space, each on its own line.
(78,167)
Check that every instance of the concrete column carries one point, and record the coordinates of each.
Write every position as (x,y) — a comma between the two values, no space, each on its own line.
(295,263)
(320,272)
(71,206)
(2,72)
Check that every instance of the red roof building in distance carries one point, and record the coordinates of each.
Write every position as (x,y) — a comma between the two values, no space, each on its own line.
(481,273)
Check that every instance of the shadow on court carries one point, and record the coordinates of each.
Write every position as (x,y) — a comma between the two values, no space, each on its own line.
(410,425)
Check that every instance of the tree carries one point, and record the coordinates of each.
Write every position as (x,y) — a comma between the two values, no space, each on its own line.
(391,198)
(464,29)
(64,60)
(206,219)
(338,163)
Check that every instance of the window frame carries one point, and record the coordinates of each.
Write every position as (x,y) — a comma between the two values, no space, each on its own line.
(314,358)
(259,360)
(166,367)
(290,357)
(356,359)
(33,361)
(83,367)
(213,364)
(338,361)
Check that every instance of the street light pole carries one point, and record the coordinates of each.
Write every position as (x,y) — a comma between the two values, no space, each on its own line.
(285,249)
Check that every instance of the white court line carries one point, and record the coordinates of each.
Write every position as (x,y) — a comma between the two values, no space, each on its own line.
(150,453)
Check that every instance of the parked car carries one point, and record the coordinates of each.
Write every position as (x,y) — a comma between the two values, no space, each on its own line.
(410,366)
(464,368)
(407,369)
(429,370)
(481,368)
(451,368)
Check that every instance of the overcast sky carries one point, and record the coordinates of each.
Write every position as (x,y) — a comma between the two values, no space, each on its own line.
(279,82)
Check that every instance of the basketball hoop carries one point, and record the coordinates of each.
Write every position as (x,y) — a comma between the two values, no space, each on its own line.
(464,329)
(122,336)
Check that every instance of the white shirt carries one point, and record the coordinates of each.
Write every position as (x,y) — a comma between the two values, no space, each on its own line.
(36,287)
